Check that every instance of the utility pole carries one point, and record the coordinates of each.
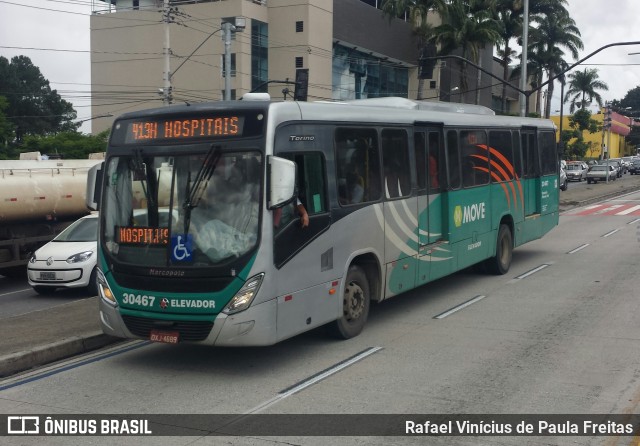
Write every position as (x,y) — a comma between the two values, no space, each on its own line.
(166,52)
(226,28)
(523,70)
(229,25)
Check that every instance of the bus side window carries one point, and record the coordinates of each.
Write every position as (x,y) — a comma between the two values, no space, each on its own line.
(310,186)
(437,173)
(395,158)
(358,165)
(453,159)
(475,166)
(501,141)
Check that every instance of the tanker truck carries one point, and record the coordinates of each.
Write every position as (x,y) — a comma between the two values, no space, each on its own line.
(38,199)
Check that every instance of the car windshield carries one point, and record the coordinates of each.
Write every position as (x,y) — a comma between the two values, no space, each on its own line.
(213,198)
(83,230)
(574,167)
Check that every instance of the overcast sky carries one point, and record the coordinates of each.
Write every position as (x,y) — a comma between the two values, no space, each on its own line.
(55,36)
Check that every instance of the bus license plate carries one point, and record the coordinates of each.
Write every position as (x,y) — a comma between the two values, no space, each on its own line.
(47,275)
(168,337)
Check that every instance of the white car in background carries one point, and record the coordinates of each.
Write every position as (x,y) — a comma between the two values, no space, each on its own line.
(67,261)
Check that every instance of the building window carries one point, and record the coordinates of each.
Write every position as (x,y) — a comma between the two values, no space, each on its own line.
(259,56)
(299,62)
(299,26)
(433,85)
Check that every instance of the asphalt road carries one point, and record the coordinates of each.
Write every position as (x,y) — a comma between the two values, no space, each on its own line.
(558,334)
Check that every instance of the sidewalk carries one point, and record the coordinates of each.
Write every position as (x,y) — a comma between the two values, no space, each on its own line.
(45,336)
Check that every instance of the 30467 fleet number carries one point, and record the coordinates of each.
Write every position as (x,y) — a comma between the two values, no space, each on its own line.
(138,299)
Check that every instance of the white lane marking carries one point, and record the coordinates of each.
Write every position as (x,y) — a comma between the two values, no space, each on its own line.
(610,233)
(579,248)
(629,210)
(460,307)
(313,380)
(14,292)
(533,271)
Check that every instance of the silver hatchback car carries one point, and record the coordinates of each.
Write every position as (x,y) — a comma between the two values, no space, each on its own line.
(577,171)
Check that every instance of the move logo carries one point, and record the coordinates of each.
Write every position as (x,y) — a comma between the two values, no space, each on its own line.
(467,214)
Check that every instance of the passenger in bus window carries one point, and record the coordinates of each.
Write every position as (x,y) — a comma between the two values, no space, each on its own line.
(355,186)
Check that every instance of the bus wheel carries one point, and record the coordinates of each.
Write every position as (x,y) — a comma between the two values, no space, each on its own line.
(355,305)
(504,251)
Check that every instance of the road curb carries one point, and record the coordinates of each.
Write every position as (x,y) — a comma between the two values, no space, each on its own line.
(55,351)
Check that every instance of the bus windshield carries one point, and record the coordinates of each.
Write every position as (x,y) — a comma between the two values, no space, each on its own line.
(183,210)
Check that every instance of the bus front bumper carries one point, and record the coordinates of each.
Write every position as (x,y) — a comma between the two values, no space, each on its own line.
(255,326)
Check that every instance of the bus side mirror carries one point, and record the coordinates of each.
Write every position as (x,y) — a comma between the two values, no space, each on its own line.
(282,181)
(94,187)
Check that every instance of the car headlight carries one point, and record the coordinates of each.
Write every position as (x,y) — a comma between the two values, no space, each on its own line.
(245,295)
(104,291)
(32,259)
(80,257)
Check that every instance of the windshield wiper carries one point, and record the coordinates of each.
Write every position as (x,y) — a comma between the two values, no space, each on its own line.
(193,194)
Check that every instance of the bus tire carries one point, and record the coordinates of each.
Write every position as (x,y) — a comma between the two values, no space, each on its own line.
(355,305)
(500,263)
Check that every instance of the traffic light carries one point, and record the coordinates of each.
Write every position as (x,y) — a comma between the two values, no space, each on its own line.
(302,84)
(606,123)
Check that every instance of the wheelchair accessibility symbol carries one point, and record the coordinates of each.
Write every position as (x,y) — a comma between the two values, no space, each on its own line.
(181,247)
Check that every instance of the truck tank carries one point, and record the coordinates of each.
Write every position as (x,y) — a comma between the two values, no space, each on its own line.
(38,199)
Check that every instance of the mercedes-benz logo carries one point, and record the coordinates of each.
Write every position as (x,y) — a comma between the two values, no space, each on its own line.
(50,261)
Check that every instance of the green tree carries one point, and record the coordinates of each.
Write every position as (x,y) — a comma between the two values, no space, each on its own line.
(34,108)
(583,86)
(468,26)
(580,122)
(70,145)
(554,32)
(6,127)
(418,12)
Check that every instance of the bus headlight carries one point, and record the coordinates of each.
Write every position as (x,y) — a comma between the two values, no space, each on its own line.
(245,295)
(104,291)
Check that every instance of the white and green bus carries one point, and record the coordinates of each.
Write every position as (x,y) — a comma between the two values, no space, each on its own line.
(199,240)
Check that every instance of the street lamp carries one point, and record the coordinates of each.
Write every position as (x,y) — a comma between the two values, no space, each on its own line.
(229,25)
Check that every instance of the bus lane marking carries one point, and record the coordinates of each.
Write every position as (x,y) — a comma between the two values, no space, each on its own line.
(449,312)
(579,248)
(312,380)
(530,272)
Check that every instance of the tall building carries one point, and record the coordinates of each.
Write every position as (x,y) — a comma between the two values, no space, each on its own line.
(350,49)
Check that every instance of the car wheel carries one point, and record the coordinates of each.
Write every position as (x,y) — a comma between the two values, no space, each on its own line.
(44,290)
(501,262)
(356,301)
(564,186)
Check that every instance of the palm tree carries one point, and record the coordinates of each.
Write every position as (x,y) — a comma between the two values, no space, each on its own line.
(583,86)
(509,17)
(467,25)
(417,12)
(554,32)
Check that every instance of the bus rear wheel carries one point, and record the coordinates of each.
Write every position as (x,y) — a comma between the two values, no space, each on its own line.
(355,305)
(500,263)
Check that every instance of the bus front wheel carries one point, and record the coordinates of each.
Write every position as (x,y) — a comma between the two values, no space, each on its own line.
(500,263)
(355,305)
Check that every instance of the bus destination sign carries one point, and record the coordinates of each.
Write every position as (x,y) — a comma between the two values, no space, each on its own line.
(138,235)
(175,129)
